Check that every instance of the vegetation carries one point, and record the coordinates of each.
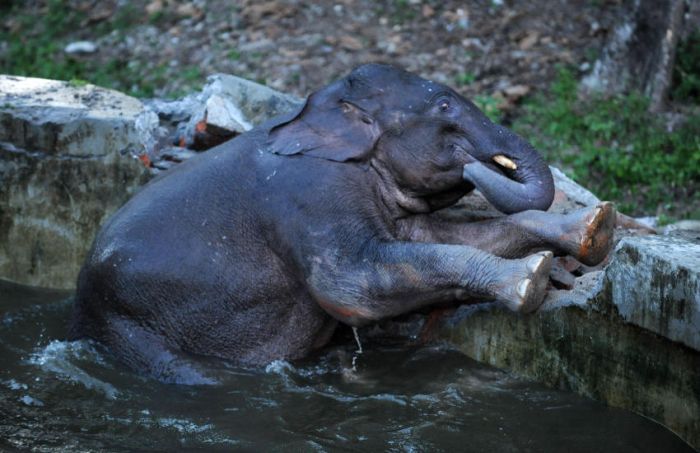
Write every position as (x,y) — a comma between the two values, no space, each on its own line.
(614,146)
(35,48)
(465,78)
(490,105)
(687,71)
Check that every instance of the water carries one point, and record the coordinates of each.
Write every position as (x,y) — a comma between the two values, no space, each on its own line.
(56,395)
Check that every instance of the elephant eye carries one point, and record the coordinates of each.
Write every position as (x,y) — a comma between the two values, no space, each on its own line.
(443,104)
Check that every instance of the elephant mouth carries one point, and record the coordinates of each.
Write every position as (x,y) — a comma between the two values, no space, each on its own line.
(499,163)
(448,197)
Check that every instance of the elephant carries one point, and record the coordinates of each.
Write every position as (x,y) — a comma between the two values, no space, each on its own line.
(257,249)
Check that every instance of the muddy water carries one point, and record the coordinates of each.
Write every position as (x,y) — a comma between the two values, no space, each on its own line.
(56,395)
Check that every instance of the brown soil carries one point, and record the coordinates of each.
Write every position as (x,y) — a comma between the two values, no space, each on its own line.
(483,47)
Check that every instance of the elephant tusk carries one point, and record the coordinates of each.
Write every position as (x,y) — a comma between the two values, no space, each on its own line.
(503,161)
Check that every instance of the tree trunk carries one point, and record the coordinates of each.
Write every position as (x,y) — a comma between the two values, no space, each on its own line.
(640,52)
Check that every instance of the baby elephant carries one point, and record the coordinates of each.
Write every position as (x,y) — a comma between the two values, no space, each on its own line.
(255,250)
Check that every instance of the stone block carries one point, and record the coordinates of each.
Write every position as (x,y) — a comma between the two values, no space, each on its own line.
(65,167)
(655,284)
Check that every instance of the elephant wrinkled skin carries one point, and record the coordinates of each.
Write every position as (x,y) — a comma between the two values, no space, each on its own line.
(255,250)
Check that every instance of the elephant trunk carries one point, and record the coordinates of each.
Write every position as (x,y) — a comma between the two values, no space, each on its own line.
(527,186)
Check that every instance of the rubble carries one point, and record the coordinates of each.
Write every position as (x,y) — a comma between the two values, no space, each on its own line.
(225,107)
(81,47)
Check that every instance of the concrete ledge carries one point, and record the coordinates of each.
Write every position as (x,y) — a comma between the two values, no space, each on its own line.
(604,339)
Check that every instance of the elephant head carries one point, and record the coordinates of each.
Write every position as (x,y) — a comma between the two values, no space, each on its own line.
(449,146)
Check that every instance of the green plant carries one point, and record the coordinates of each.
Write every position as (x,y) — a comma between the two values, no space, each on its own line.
(191,74)
(465,78)
(157,17)
(490,106)
(401,12)
(617,148)
(124,17)
(34,49)
(77,83)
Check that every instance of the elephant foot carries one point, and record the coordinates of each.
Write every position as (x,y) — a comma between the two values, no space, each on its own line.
(524,289)
(592,234)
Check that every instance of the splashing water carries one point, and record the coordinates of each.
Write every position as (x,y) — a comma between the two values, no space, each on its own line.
(72,396)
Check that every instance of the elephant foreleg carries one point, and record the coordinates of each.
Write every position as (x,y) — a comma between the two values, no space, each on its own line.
(390,278)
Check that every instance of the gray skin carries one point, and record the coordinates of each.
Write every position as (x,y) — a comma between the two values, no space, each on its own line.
(255,250)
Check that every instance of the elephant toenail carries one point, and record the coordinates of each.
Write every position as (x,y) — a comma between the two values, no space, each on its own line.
(534,263)
(523,288)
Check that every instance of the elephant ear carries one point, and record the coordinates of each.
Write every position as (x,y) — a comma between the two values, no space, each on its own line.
(339,131)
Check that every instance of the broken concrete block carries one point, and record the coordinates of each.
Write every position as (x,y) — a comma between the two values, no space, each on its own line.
(257,103)
(230,106)
(573,194)
(223,114)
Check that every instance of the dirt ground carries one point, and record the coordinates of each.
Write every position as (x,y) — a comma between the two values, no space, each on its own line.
(484,47)
(495,52)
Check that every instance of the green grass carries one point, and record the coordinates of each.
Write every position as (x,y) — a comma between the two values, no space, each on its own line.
(77,83)
(403,12)
(35,49)
(465,78)
(398,12)
(616,148)
(489,105)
